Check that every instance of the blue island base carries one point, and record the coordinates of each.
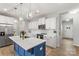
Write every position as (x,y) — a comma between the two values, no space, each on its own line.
(38,50)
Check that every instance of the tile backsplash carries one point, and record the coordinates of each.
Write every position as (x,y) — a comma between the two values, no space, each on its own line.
(47,32)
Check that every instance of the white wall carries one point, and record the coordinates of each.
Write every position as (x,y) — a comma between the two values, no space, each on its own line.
(67,33)
(76,29)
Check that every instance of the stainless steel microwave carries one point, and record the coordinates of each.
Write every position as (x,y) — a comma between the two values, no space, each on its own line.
(41,26)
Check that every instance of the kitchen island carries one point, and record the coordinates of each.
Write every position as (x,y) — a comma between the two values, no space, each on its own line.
(28,46)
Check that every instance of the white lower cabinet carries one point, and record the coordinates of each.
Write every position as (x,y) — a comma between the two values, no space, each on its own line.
(51,41)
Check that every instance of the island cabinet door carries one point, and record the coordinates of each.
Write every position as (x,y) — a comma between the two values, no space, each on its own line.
(16,47)
(21,51)
(27,53)
(40,50)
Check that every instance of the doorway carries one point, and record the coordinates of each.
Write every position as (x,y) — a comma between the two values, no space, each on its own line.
(67,48)
(67,28)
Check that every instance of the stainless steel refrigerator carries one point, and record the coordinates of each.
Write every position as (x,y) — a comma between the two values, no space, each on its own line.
(5,33)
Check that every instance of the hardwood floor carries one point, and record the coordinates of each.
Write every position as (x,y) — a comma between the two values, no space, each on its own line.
(77,51)
(51,51)
(7,51)
(67,49)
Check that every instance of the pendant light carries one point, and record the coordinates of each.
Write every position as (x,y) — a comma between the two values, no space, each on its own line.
(21,16)
(29,14)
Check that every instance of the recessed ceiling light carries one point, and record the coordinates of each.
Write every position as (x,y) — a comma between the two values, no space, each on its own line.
(15,21)
(20,18)
(5,9)
(67,20)
(16,3)
(37,11)
(74,11)
(30,15)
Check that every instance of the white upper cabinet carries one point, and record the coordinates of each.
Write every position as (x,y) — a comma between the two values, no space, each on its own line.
(33,25)
(51,23)
(36,25)
(41,21)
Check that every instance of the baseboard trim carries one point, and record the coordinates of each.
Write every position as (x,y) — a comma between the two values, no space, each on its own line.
(50,46)
(67,38)
(5,45)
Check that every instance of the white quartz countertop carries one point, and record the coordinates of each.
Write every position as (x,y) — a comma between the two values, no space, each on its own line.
(27,43)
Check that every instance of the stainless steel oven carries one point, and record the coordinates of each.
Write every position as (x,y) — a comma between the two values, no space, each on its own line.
(40,36)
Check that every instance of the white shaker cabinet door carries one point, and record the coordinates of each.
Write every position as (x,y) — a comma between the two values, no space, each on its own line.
(51,23)
(41,21)
(30,25)
(33,25)
(51,42)
(36,25)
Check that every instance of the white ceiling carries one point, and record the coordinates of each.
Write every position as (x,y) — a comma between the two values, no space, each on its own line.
(44,8)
